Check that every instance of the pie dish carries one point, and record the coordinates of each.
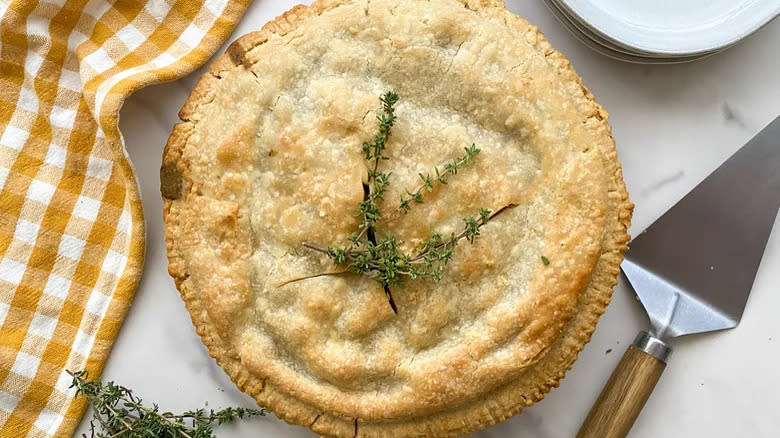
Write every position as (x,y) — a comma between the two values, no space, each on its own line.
(268,156)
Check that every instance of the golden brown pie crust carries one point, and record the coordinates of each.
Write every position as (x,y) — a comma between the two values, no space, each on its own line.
(210,250)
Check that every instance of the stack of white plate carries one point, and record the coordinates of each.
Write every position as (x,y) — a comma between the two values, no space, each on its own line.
(662,31)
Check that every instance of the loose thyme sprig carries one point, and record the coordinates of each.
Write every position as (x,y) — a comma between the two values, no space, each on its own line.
(120,414)
(428,181)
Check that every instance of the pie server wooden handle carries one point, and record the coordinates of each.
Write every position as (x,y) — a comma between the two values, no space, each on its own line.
(627,389)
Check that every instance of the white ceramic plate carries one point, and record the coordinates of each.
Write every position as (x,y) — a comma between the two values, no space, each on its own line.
(605,47)
(673,27)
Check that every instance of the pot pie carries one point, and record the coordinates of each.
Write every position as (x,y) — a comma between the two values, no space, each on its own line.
(268,156)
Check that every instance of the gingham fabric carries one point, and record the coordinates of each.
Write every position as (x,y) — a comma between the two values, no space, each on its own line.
(71,222)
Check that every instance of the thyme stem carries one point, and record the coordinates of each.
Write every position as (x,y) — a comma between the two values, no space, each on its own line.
(308,277)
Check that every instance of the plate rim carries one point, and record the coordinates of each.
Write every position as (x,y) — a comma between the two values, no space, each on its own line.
(755,15)
(609,52)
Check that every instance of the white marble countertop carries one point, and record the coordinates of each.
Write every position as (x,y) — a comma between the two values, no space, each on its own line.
(673,125)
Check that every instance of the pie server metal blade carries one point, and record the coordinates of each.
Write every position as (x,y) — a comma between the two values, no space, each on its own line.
(693,270)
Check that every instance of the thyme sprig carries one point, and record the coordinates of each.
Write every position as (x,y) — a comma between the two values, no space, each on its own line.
(120,414)
(381,259)
(368,209)
(451,168)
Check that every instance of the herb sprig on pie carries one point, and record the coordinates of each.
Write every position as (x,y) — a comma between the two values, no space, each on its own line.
(381,259)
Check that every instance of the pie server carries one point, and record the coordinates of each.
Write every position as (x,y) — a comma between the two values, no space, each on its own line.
(692,270)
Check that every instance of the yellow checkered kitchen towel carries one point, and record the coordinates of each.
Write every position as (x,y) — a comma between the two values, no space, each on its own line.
(71,223)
